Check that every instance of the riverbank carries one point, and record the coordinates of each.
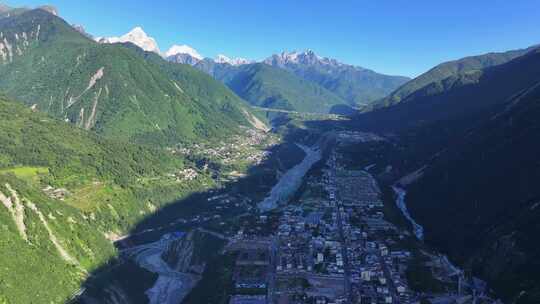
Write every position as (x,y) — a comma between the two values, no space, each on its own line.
(401,204)
(291,180)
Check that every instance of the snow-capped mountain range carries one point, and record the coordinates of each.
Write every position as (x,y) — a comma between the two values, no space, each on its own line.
(188,55)
(176,53)
(307,57)
(354,84)
(232,61)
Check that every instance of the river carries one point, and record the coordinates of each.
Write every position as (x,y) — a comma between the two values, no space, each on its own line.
(172,285)
(291,180)
(476,285)
(400,202)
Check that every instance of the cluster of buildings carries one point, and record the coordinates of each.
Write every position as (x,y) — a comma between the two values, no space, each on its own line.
(186,174)
(245,147)
(335,246)
(376,267)
(56,193)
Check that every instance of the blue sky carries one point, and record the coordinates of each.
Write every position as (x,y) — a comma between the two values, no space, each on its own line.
(389,36)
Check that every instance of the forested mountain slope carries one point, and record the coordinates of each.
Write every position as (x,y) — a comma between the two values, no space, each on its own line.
(480,199)
(356,85)
(474,139)
(467,97)
(437,75)
(107,88)
(65,194)
(290,80)
(270,87)
(207,89)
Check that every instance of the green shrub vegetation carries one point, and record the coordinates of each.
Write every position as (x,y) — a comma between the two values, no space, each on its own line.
(109,186)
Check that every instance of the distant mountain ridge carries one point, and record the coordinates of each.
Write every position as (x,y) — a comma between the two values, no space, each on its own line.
(269,87)
(445,70)
(343,85)
(356,85)
(307,57)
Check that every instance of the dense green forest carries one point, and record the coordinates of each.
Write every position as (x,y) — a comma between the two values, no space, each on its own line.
(437,75)
(103,188)
(270,87)
(111,89)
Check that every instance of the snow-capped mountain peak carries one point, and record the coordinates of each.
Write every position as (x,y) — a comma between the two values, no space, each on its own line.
(136,36)
(222,59)
(232,61)
(308,57)
(183,49)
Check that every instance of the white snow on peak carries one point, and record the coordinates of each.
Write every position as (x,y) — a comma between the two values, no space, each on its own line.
(307,57)
(295,56)
(232,61)
(136,36)
(290,56)
(183,49)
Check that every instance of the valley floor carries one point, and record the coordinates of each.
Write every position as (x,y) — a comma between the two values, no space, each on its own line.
(338,238)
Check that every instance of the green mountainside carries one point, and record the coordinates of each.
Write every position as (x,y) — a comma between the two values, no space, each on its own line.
(475,136)
(356,85)
(436,76)
(465,98)
(310,76)
(270,87)
(65,193)
(108,88)
(488,183)
(208,91)
(82,158)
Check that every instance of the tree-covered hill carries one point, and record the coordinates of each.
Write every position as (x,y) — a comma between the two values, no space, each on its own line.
(108,88)
(65,193)
(480,199)
(466,97)
(208,91)
(474,139)
(437,75)
(269,87)
(357,86)
(353,86)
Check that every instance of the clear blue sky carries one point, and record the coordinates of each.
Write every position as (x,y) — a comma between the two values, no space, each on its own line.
(405,37)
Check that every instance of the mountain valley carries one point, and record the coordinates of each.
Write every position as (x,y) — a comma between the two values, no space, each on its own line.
(131,173)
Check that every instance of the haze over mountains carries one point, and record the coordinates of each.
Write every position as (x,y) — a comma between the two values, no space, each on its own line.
(99,135)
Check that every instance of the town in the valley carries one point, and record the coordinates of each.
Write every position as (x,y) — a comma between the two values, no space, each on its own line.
(333,239)
(332,244)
